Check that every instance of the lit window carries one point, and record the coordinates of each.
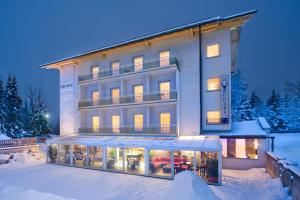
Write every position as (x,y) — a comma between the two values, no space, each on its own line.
(115,123)
(138,63)
(95,72)
(138,93)
(212,50)
(240,148)
(115,67)
(95,97)
(138,122)
(164,90)
(213,117)
(213,84)
(115,95)
(164,58)
(95,123)
(165,122)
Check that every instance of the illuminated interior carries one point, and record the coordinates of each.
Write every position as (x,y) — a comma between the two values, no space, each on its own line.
(115,120)
(212,50)
(95,123)
(115,158)
(95,97)
(115,95)
(164,58)
(138,122)
(115,66)
(138,93)
(165,122)
(134,160)
(213,84)
(138,63)
(213,117)
(240,148)
(95,72)
(164,90)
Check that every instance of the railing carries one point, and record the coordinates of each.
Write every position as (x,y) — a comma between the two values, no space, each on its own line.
(129,69)
(130,99)
(17,142)
(129,130)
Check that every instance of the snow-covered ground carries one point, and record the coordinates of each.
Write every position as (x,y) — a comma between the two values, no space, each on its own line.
(287,145)
(29,178)
(3,137)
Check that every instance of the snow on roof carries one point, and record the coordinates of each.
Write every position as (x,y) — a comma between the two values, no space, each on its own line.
(3,137)
(244,128)
(263,122)
(200,143)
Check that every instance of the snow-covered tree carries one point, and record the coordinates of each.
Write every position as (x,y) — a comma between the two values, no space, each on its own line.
(257,105)
(244,110)
(13,124)
(291,106)
(2,108)
(238,95)
(275,112)
(35,108)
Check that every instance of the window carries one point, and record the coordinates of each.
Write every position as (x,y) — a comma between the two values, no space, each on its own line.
(138,93)
(160,163)
(115,122)
(183,161)
(213,117)
(95,97)
(164,58)
(134,160)
(138,122)
(165,122)
(64,154)
(115,95)
(138,63)
(240,148)
(95,123)
(164,90)
(115,158)
(212,50)
(95,157)
(213,84)
(79,156)
(95,72)
(115,67)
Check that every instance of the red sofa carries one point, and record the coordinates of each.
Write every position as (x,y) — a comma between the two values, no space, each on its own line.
(158,162)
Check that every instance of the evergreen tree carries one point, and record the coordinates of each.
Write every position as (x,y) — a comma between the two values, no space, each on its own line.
(244,110)
(257,105)
(13,125)
(2,108)
(274,115)
(238,95)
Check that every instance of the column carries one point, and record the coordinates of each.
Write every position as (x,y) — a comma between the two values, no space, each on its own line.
(178,104)
(147,89)
(220,167)
(148,122)
(47,154)
(71,155)
(87,159)
(146,159)
(172,163)
(104,157)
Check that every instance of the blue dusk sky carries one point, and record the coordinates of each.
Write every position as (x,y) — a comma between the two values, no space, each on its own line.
(35,32)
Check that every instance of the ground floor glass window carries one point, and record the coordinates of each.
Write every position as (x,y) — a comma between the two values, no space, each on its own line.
(53,153)
(207,166)
(115,158)
(79,156)
(183,161)
(95,157)
(134,160)
(160,163)
(240,148)
(64,154)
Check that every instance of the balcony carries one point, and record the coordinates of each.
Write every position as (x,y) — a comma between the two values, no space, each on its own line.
(129,69)
(129,130)
(145,98)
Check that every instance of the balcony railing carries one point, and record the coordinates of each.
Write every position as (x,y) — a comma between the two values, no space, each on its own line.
(129,130)
(129,69)
(167,96)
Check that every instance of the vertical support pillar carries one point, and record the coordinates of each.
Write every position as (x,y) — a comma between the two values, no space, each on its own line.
(148,122)
(71,155)
(146,159)
(195,163)
(220,167)
(178,104)
(172,164)
(147,91)
(104,157)
(87,159)
(47,153)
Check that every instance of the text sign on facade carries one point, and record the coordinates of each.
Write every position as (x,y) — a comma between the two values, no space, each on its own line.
(225,99)
(66,86)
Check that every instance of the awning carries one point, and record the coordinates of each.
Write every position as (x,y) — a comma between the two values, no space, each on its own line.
(193,143)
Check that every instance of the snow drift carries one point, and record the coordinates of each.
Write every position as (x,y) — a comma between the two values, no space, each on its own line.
(3,137)
(188,186)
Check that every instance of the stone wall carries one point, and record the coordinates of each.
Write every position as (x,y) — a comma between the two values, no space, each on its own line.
(288,173)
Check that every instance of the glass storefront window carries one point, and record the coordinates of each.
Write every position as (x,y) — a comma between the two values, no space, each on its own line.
(64,154)
(52,153)
(240,148)
(134,160)
(95,157)
(183,161)
(79,156)
(207,166)
(115,158)
(160,163)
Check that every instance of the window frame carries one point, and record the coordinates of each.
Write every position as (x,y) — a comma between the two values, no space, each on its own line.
(159,53)
(213,123)
(207,85)
(134,66)
(212,44)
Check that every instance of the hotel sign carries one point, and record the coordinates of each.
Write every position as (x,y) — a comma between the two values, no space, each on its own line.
(225,99)
(66,86)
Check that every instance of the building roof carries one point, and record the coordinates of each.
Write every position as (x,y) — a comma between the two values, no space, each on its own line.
(154,35)
(253,128)
(193,143)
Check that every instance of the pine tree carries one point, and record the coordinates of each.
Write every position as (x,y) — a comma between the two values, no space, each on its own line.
(238,95)
(257,105)
(274,115)
(13,124)
(2,108)
(245,111)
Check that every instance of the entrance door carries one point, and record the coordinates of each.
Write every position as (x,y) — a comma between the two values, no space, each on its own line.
(95,97)
(95,124)
(115,121)
(165,122)
(138,93)
(115,95)
(164,90)
(138,122)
